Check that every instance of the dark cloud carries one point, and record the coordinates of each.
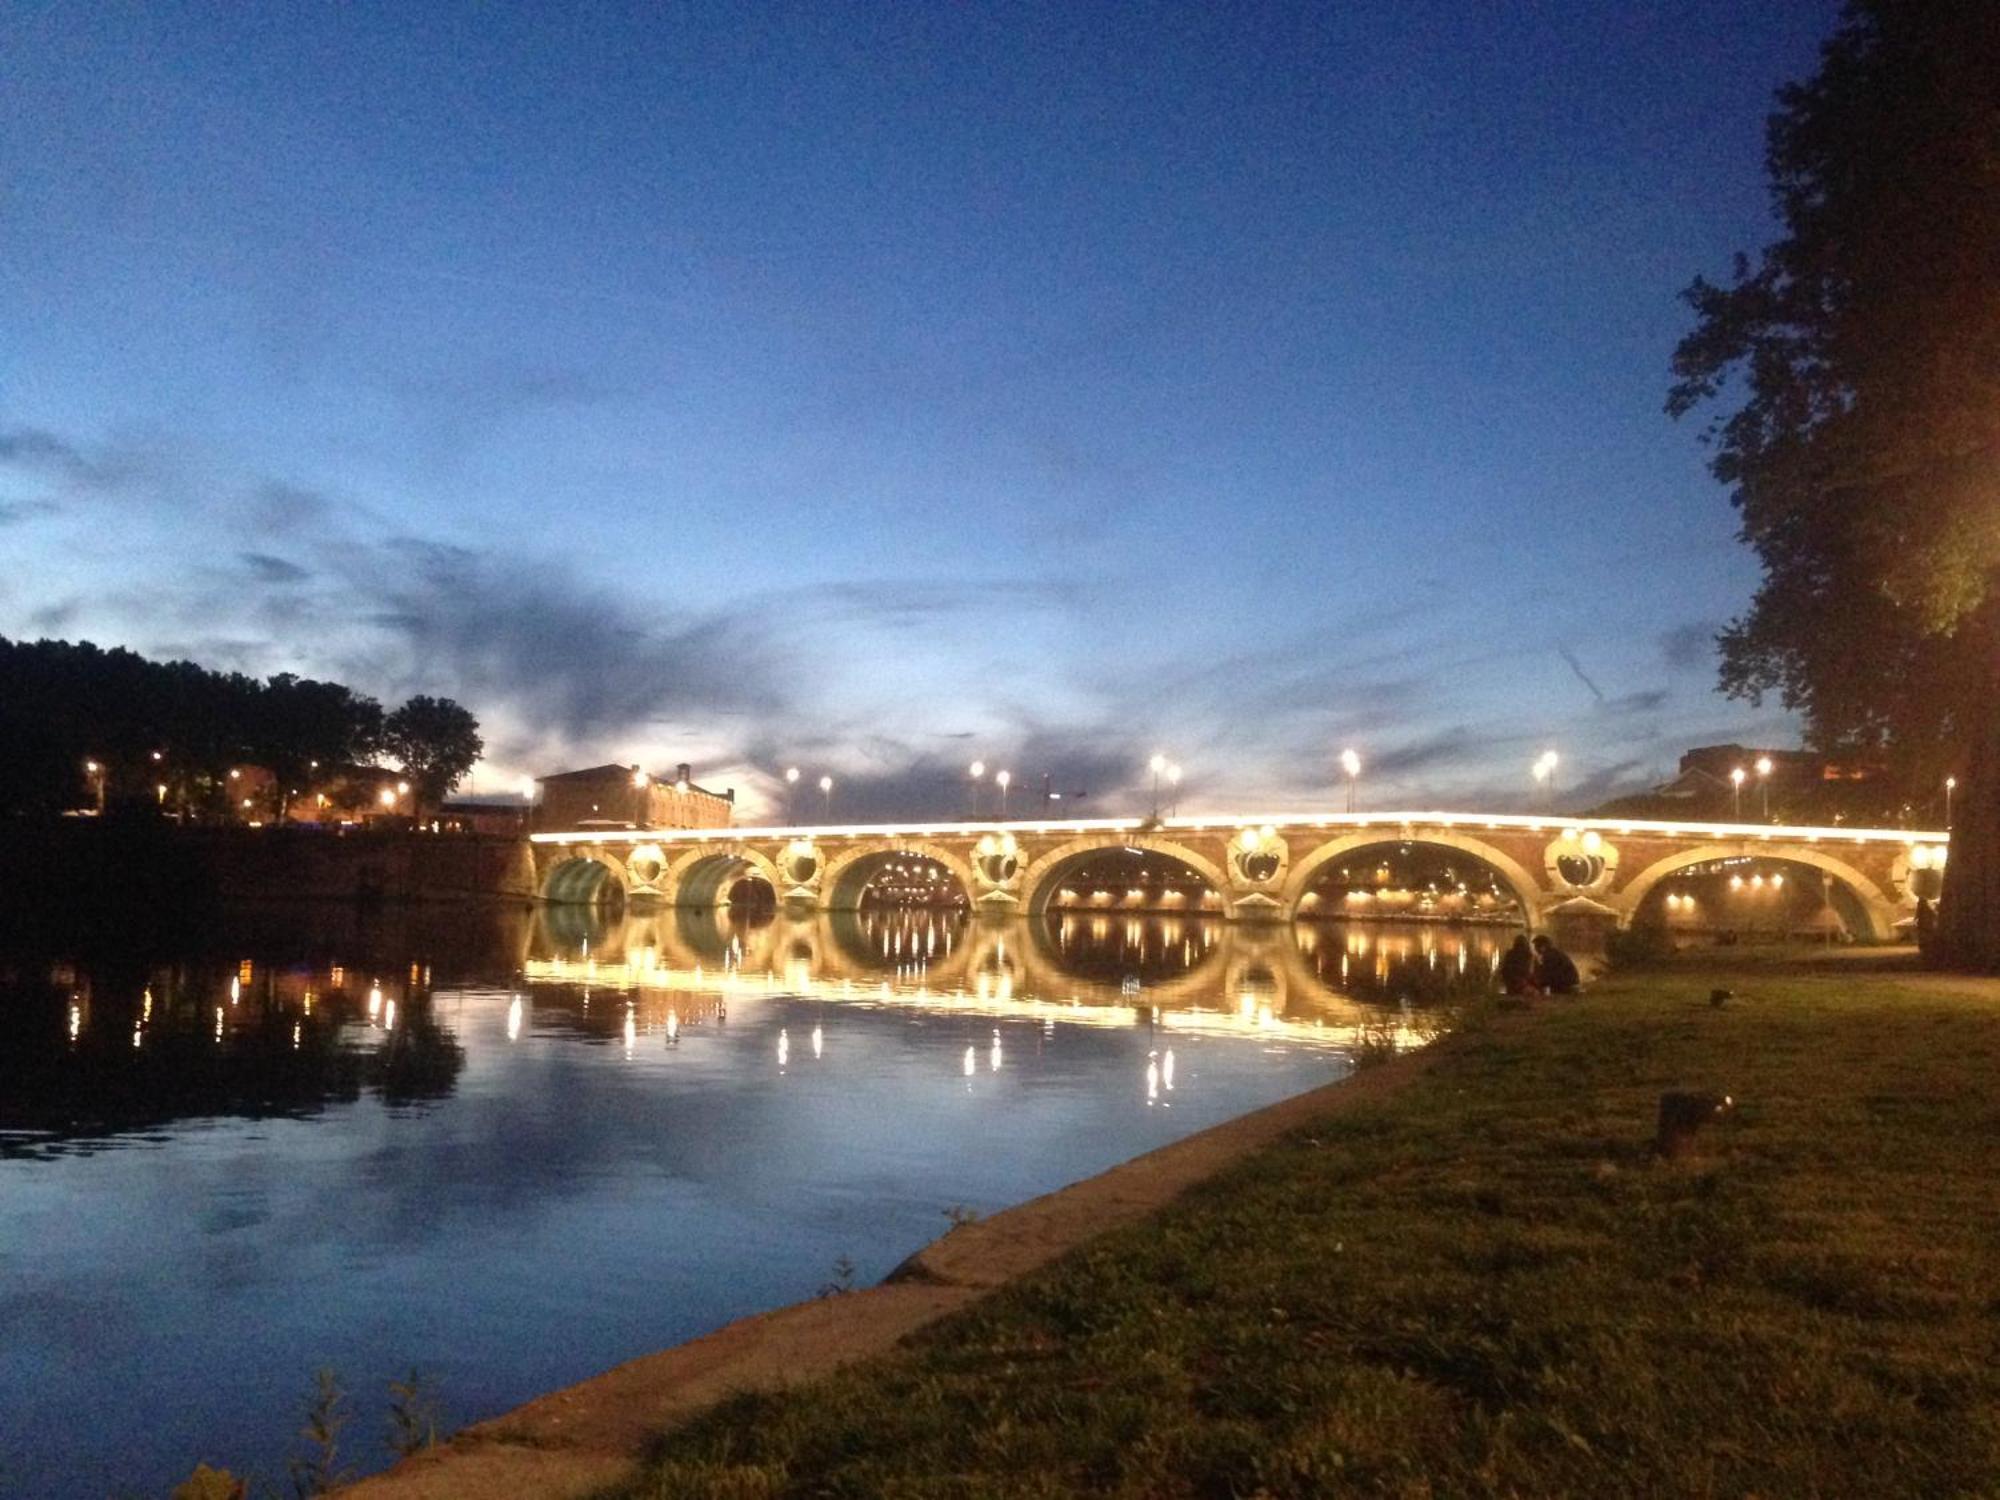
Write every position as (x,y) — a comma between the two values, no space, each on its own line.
(33,448)
(1639,703)
(575,660)
(1569,659)
(268,569)
(1689,647)
(1455,744)
(279,509)
(19,512)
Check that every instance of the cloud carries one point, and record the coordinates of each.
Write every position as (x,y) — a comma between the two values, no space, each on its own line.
(268,569)
(1638,703)
(1689,647)
(1569,658)
(20,512)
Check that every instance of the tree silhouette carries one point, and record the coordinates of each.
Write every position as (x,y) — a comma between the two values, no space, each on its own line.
(436,741)
(1862,356)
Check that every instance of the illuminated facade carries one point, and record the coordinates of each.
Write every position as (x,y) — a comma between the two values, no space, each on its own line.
(629,797)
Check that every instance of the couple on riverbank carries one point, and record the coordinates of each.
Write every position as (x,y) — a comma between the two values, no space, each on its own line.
(1540,968)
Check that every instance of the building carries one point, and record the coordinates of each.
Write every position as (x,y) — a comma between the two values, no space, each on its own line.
(1740,783)
(615,796)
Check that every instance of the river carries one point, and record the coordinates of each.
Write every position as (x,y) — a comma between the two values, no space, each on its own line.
(507,1150)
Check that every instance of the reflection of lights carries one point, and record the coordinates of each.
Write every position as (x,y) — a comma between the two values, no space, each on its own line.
(298,1028)
(993,1055)
(818,1040)
(389,1016)
(971,1061)
(235,991)
(75,1020)
(514,1009)
(374,1001)
(673,1025)
(1167,1069)
(1152,1078)
(631,1032)
(218,1023)
(784,1046)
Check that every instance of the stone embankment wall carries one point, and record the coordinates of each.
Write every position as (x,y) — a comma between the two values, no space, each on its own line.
(162,867)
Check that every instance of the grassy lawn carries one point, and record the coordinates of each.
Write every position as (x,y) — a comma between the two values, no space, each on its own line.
(1488,1285)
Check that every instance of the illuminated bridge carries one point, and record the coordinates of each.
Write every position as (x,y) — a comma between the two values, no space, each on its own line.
(1533,870)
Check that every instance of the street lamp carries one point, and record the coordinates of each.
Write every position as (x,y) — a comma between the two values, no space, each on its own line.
(1158,765)
(1764,784)
(1350,762)
(1544,771)
(1174,788)
(826,790)
(1003,780)
(976,770)
(95,770)
(791,794)
(1950,786)
(1736,793)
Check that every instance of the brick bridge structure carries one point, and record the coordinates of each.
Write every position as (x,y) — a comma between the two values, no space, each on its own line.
(1561,871)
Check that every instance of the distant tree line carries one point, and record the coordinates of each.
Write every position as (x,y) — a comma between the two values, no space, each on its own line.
(85,727)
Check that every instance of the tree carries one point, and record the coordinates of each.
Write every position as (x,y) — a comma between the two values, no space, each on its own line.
(300,727)
(1862,357)
(436,741)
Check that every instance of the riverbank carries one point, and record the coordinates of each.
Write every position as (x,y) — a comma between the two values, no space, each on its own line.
(1463,1272)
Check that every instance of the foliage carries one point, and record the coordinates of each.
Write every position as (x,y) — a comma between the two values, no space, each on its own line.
(436,741)
(1639,945)
(1487,1284)
(1863,449)
(317,1469)
(162,724)
(415,1413)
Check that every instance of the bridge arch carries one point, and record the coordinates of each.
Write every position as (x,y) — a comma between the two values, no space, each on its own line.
(1043,875)
(849,871)
(585,880)
(1526,889)
(704,877)
(1878,914)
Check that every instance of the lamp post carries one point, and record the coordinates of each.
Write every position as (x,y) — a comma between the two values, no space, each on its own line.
(1003,780)
(1736,794)
(95,770)
(1764,785)
(791,794)
(1950,786)
(826,791)
(1544,771)
(1173,789)
(1158,766)
(1350,762)
(976,770)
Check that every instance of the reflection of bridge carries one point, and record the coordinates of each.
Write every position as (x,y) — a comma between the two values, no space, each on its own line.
(1234,977)
(1256,867)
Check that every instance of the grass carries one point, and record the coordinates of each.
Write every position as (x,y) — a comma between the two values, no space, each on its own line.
(1489,1286)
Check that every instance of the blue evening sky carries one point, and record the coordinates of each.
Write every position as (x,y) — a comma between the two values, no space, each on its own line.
(870,387)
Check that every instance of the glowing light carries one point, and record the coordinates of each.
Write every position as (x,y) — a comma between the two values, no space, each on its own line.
(818,1040)
(993,1053)
(1003,779)
(514,1009)
(1350,762)
(1152,1078)
(826,783)
(389,1016)
(1738,776)
(971,1061)
(639,778)
(388,797)
(1167,1062)
(235,991)
(374,1001)
(784,1046)
(977,769)
(1763,765)
(631,1032)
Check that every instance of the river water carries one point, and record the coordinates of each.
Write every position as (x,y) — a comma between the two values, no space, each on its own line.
(508,1150)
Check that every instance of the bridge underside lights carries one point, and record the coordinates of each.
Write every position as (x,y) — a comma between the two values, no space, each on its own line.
(1459,867)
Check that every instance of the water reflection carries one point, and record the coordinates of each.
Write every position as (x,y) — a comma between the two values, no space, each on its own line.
(517,1149)
(97,1050)
(1317,982)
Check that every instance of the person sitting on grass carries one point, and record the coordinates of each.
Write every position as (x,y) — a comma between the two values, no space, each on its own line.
(1555,970)
(1517,969)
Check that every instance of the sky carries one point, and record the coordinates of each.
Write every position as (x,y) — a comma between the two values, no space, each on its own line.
(874,388)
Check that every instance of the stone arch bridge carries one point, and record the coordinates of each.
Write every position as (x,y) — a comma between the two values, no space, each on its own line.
(1258,868)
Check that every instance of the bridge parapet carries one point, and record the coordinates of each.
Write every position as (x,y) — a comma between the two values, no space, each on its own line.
(1258,867)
